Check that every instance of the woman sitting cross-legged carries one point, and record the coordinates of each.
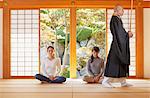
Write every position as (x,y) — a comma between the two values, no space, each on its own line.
(50,69)
(95,68)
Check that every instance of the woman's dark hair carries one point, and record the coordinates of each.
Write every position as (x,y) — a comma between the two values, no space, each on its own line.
(96,49)
(50,47)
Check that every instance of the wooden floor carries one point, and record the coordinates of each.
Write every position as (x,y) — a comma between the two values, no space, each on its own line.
(73,88)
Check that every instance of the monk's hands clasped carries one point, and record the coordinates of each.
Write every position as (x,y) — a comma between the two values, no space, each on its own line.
(130,34)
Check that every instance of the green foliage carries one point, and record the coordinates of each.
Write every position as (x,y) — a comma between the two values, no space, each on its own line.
(95,23)
(65,72)
(54,23)
(91,24)
(60,32)
(82,61)
(83,33)
(44,11)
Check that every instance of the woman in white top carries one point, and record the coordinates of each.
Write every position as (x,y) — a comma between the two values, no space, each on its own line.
(50,69)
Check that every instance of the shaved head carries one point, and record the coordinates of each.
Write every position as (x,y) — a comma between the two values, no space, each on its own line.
(118,10)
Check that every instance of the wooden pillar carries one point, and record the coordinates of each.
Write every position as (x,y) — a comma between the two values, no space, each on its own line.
(6,42)
(73,62)
(139,41)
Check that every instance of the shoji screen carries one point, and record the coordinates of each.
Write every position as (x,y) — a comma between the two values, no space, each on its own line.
(24,42)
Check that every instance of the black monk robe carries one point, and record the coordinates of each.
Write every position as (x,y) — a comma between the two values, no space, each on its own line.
(118,60)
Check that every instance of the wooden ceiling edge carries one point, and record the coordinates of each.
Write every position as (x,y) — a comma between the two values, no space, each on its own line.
(70,3)
(67,3)
(145,4)
(67,6)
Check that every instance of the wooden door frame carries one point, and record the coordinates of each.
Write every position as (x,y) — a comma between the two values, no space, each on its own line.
(72,4)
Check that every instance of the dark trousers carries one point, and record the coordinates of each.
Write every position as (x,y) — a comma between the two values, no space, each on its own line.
(58,79)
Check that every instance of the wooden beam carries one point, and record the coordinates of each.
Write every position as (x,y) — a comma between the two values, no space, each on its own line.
(37,3)
(103,3)
(139,43)
(22,77)
(6,43)
(146,4)
(67,3)
(1,4)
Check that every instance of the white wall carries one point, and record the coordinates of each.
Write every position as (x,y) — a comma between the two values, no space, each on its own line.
(146,42)
(1,39)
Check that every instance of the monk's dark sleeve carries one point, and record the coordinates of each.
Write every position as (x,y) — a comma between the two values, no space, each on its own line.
(121,40)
